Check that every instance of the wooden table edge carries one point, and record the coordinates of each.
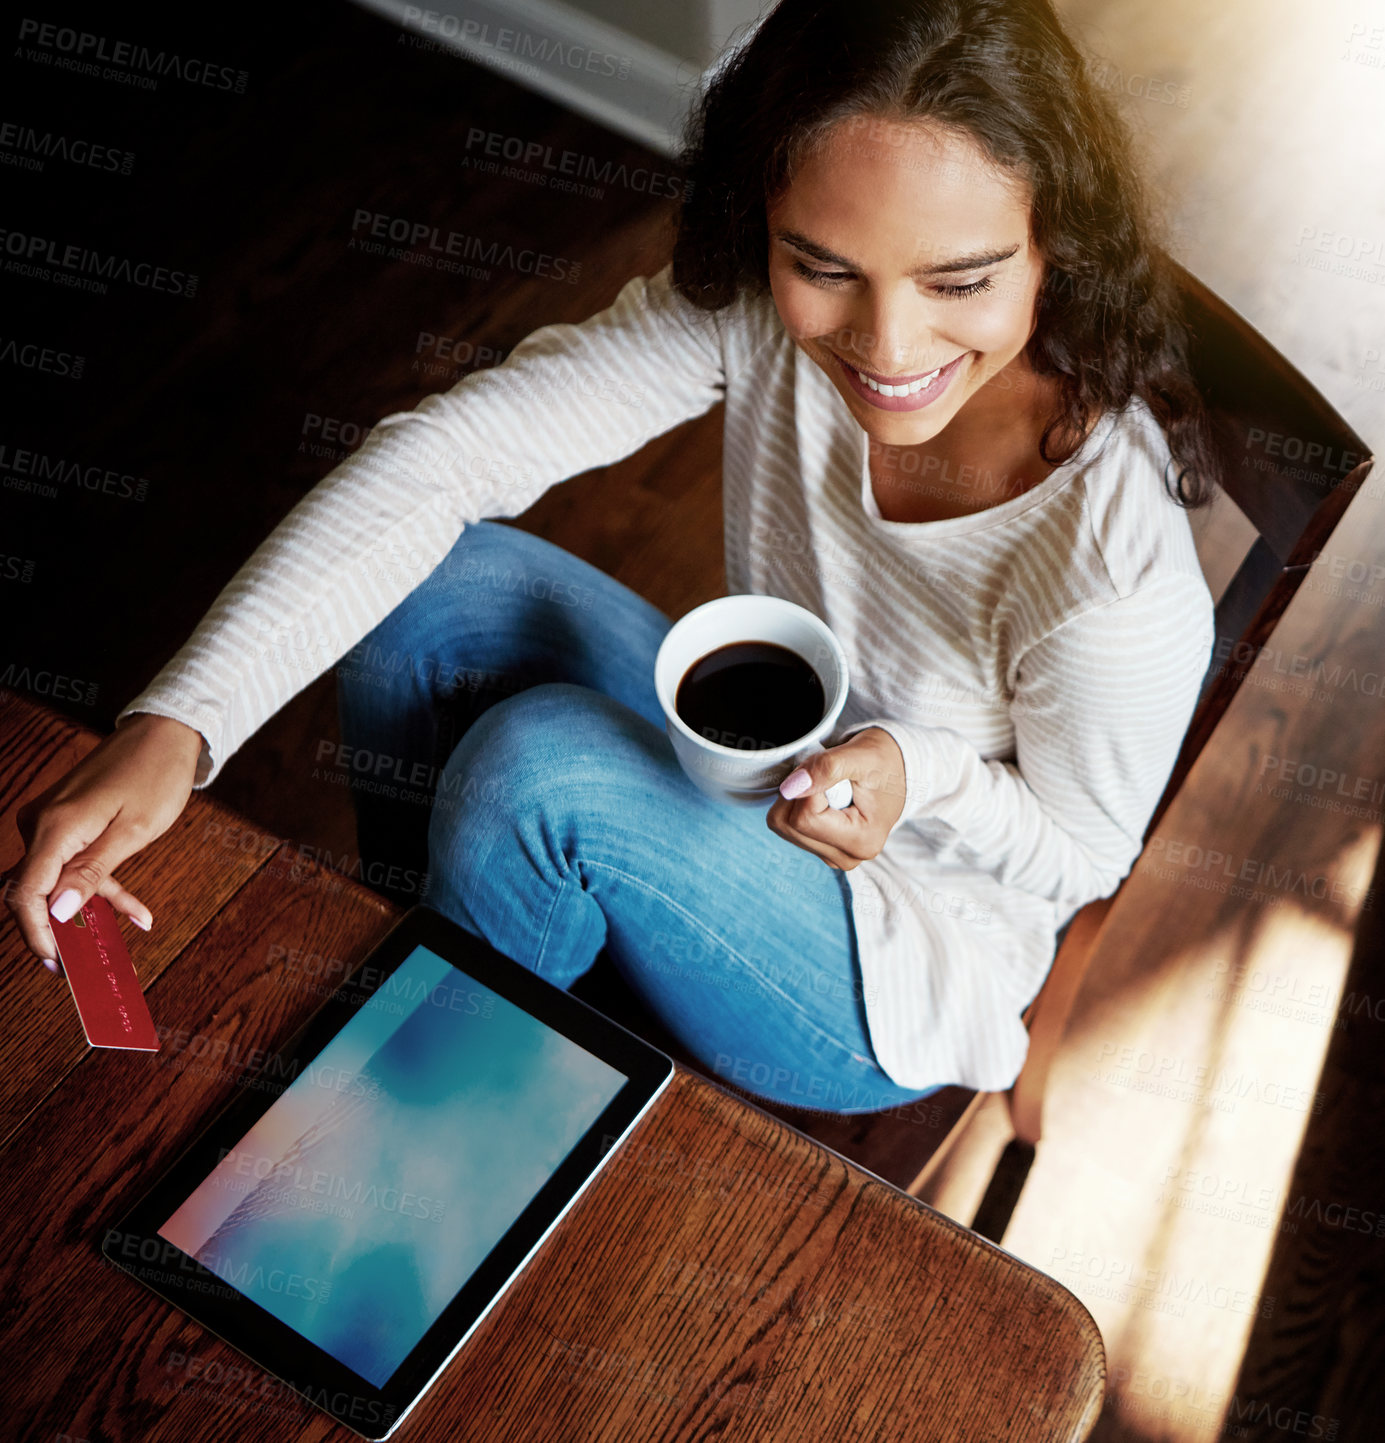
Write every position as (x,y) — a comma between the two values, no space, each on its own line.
(1070,1303)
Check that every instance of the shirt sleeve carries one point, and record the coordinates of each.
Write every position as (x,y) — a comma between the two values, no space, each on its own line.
(1100,709)
(568,398)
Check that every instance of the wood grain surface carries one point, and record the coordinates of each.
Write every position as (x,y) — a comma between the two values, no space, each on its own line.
(98,1141)
(723,1276)
(202,861)
(1186,1174)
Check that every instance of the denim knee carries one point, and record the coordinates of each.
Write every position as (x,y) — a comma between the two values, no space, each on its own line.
(543,745)
(541,751)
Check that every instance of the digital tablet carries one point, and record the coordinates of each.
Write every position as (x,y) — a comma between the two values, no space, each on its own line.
(347,1226)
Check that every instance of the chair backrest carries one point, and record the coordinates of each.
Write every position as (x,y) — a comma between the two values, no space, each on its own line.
(1289,462)
(1292,465)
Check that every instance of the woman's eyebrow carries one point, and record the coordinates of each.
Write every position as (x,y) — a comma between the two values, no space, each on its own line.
(959,263)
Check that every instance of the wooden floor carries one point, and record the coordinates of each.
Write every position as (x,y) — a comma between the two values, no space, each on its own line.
(196,423)
(1208,1176)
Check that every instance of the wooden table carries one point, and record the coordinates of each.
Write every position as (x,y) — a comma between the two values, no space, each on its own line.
(723,1277)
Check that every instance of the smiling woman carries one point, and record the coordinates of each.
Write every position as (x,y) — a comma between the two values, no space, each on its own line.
(925,185)
(958,429)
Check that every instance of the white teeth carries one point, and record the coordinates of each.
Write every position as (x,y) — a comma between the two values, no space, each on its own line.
(910,388)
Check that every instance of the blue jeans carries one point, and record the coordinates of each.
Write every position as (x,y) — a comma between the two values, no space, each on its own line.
(506,745)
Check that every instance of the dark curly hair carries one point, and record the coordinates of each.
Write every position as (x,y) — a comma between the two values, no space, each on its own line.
(1109,322)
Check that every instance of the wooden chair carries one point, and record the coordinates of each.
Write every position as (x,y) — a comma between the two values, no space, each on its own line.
(1291,464)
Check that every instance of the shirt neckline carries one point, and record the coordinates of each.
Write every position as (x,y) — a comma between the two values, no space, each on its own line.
(997,515)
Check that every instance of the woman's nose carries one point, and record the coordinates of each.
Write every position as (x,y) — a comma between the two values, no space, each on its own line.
(894,338)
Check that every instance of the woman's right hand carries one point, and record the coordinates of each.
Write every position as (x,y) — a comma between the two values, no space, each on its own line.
(122,795)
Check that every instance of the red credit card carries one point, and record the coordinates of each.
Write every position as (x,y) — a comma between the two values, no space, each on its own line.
(103,981)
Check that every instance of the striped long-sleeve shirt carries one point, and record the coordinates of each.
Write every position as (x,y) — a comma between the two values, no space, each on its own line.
(1037,661)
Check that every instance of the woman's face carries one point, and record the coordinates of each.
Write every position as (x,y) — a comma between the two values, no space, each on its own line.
(901,252)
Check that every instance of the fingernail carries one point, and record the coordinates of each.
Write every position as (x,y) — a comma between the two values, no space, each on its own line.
(795,784)
(52,966)
(66,904)
(143,926)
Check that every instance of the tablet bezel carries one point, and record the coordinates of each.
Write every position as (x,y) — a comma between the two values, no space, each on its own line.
(135,1246)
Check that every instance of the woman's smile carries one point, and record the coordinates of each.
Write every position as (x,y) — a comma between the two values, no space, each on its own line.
(901,393)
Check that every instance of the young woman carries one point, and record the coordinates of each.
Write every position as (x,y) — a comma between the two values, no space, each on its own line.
(915,265)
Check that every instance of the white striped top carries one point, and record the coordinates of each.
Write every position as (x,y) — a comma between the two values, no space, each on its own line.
(1037,662)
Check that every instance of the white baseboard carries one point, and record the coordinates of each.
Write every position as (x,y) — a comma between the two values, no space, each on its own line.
(598,70)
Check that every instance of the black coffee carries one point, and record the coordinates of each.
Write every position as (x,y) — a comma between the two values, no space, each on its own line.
(751,695)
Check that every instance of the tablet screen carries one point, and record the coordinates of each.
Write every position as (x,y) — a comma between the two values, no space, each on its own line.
(369,1192)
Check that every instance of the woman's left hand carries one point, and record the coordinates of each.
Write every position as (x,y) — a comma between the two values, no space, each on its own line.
(846,838)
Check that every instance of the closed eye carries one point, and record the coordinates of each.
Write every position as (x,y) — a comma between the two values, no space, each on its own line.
(829,279)
(972,289)
(821,278)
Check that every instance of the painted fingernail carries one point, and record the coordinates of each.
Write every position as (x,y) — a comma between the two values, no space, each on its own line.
(51,964)
(795,784)
(66,904)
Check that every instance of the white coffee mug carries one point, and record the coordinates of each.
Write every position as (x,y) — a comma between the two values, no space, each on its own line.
(750,775)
